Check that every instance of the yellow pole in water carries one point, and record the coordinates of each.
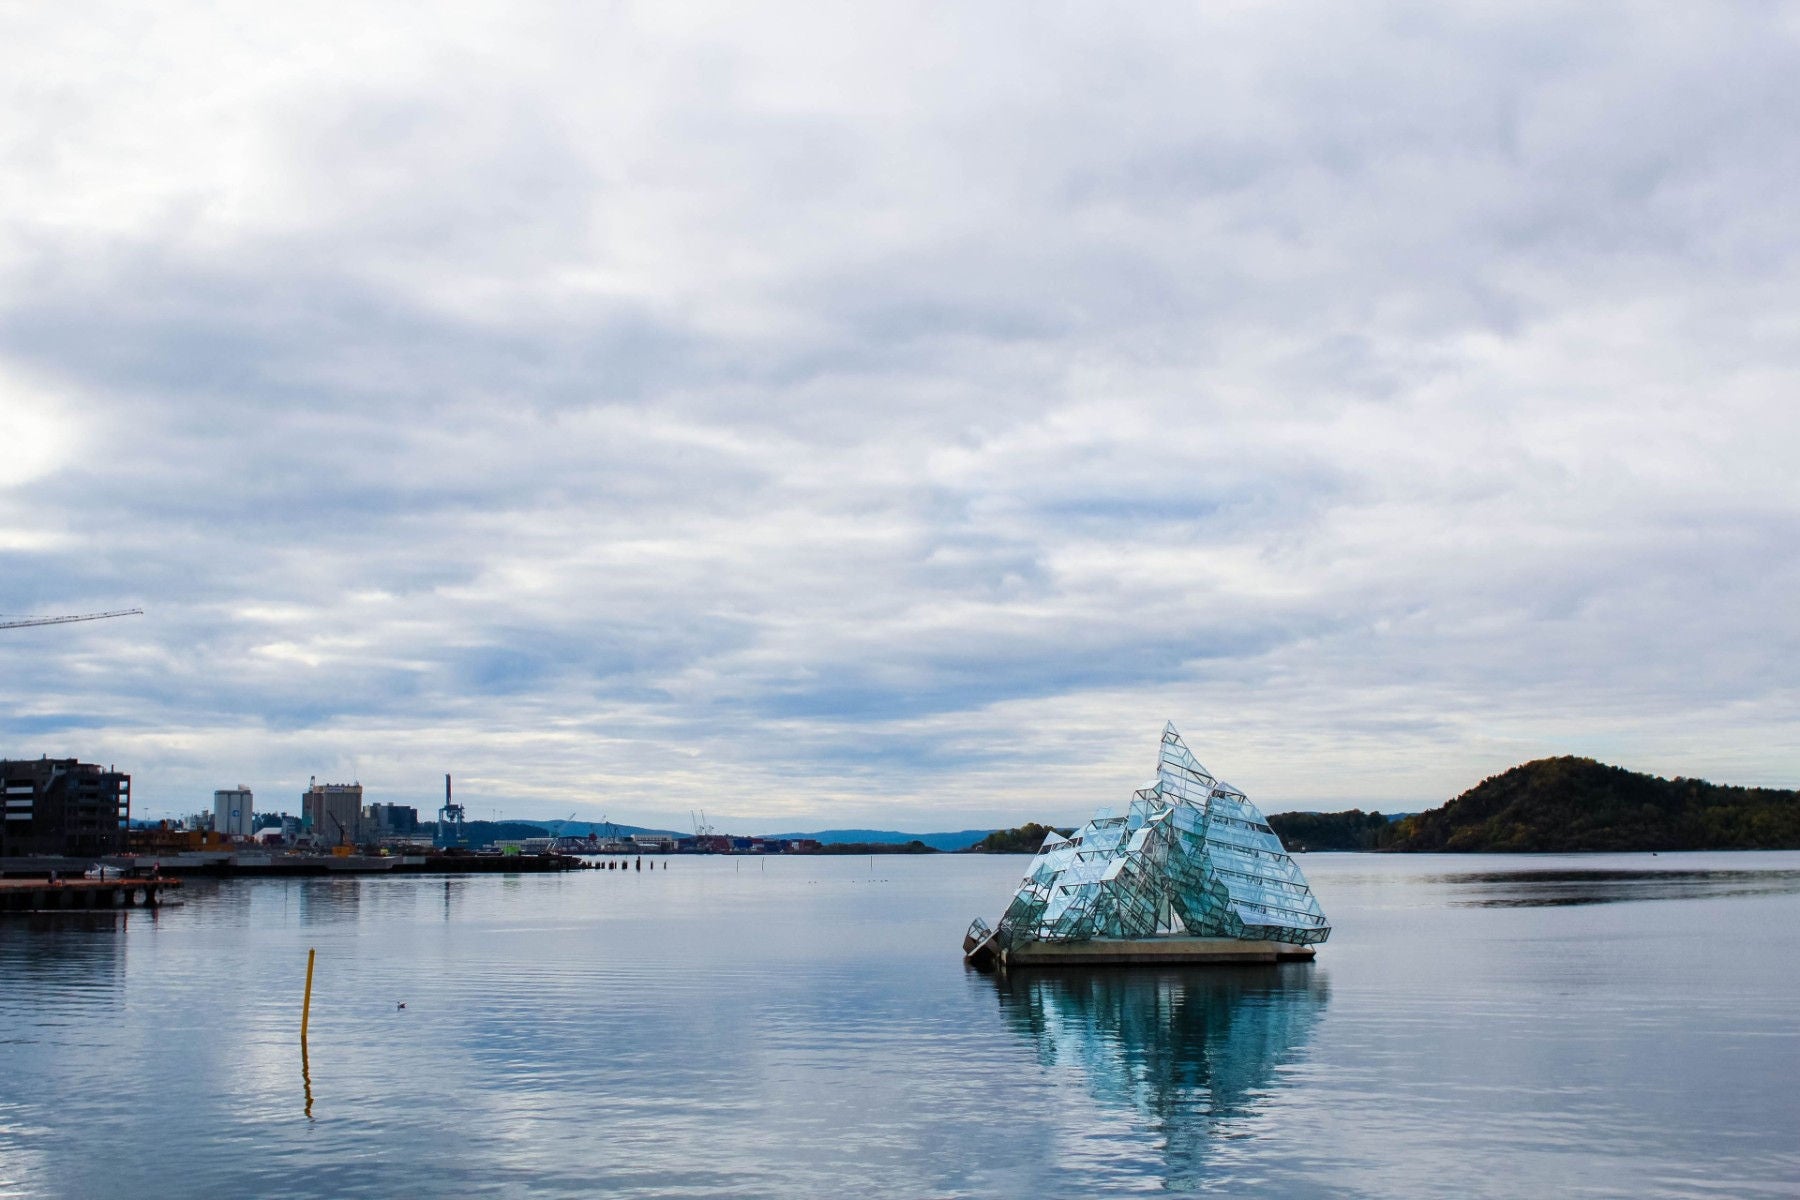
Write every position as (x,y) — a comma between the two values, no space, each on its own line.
(306,1005)
(306,1016)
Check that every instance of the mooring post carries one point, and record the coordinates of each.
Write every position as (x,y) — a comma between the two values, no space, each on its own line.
(306,1004)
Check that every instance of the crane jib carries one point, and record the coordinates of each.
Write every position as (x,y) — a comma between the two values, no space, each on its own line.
(100,616)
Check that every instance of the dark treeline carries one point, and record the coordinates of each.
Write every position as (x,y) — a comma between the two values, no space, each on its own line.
(1557,804)
(1025,839)
(913,847)
(1353,830)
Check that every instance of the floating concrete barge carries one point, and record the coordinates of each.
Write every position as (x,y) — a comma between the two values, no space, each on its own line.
(1163,951)
(81,895)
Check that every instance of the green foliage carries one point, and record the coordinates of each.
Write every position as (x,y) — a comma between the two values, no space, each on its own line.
(1352,830)
(913,847)
(1564,804)
(1023,840)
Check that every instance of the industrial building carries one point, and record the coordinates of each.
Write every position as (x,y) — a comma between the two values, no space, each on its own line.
(62,806)
(332,812)
(234,812)
(390,820)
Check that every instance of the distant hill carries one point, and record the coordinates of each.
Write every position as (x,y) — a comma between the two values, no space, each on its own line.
(1548,806)
(1561,804)
(480,833)
(598,828)
(937,841)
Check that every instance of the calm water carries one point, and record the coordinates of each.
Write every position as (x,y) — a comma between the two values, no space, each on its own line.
(1593,1025)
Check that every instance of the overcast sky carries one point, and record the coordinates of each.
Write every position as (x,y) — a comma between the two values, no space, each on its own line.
(891,415)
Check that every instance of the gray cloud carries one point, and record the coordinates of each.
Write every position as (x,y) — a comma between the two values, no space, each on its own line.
(873,418)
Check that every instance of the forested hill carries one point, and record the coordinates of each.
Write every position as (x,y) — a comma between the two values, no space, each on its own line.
(1557,804)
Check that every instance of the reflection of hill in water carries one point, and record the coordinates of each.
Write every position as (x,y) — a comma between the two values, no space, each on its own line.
(1540,888)
(1191,1051)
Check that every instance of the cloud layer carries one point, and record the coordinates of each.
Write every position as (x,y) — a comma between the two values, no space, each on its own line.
(892,416)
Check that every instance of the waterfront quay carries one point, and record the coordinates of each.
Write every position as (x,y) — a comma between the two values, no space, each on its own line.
(78,895)
(221,864)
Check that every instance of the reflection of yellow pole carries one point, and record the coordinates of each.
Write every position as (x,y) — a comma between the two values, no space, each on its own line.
(306,1005)
(306,1078)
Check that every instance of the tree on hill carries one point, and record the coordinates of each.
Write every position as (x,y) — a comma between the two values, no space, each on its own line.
(1565,804)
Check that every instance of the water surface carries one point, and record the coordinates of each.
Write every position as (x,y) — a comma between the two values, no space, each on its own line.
(1478,1026)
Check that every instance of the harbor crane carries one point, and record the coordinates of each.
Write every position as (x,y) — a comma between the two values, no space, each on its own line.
(450,820)
(20,622)
(556,834)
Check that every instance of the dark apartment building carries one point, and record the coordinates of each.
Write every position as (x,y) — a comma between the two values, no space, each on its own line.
(61,806)
(390,820)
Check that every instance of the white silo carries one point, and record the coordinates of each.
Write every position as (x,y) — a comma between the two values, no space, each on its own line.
(234,811)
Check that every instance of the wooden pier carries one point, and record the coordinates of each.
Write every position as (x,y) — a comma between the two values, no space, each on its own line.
(80,895)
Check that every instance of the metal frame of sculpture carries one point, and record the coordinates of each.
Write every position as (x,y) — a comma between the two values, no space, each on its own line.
(1190,856)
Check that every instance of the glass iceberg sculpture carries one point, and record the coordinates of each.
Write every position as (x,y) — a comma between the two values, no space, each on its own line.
(1191,856)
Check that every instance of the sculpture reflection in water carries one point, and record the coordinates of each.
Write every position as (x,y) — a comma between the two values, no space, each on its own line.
(1194,1053)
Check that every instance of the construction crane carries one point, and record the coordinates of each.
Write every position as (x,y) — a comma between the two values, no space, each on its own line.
(23,621)
(450,820)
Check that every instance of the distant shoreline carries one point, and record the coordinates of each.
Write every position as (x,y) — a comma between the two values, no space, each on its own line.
(1563,805)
